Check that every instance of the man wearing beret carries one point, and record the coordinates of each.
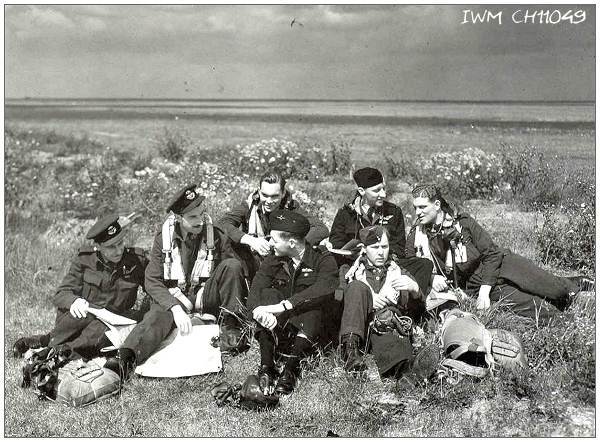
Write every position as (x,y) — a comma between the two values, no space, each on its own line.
(369,208)
(191,269)
(376,281)
(248,223)
(106,275)
(286,298)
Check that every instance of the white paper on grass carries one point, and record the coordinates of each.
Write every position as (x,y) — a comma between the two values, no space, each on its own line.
(181,356)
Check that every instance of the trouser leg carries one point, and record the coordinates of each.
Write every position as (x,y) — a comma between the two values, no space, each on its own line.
(358,304)
(146,337)
(301,347)
(66,328)
(266,342)
(91,340)
(522,303)
(226,288)
(528,277)
(421,269)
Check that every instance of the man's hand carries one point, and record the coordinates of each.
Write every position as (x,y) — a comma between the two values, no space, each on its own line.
(79,308)
(405,282)
(380,301)
(182,320)
(259,245)
(483,298)
(439,283)
(264,317)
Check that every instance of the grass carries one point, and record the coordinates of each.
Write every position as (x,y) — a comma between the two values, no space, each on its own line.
(555,397)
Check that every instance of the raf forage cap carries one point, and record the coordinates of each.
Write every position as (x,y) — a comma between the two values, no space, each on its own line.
(371,235)
(367,177)
(107,230)
(289,221)
(185,200)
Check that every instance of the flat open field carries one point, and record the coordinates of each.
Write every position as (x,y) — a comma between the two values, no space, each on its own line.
(555,397)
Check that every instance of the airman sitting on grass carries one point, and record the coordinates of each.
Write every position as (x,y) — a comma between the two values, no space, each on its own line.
(105,275)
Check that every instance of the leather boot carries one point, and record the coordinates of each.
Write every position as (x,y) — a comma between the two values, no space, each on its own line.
(232,339)
(266,379)
(21,345)
(123,364)
(287,380)
(351,353)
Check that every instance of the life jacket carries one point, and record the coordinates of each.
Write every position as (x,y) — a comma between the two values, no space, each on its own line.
(358,272)
(173,267)
(457,247)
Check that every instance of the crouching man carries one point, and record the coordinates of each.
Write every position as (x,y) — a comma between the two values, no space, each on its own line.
(286,298)
(105,275)
(191,269)
(376,282)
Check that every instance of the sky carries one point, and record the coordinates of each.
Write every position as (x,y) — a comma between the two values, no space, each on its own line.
(389,52)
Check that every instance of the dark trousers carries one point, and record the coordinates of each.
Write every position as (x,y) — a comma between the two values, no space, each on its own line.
(358,306)
(390,350)
(308,322)
(421,269)
(84,336)
(529,290)
(225,288)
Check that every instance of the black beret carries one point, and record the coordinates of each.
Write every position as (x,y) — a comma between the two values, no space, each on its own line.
(106,230)
(289,221)
(367,177)
(372,234)
(185,200)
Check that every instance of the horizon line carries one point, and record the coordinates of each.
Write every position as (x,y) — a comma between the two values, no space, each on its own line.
(28,98)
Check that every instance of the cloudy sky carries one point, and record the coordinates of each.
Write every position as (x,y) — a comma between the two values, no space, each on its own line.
(339,52)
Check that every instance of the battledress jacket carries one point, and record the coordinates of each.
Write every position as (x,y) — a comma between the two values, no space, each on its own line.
(484,257)
(101,283)
(313,282)
(235,224)
(156,286)
(349,221)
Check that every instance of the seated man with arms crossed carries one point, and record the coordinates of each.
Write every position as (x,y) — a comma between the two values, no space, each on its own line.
(287,296)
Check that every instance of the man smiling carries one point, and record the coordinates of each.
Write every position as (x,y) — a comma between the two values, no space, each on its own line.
(247,225)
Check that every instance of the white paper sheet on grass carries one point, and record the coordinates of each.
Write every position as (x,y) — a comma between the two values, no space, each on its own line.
(181,356)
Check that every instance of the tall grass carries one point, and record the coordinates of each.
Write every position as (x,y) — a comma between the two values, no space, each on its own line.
(44,227)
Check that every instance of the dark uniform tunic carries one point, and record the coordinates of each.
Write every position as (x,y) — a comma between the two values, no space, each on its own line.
(103,284)
(226,287)
(527,289)
(235,224)
(349,220)
(307,288)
